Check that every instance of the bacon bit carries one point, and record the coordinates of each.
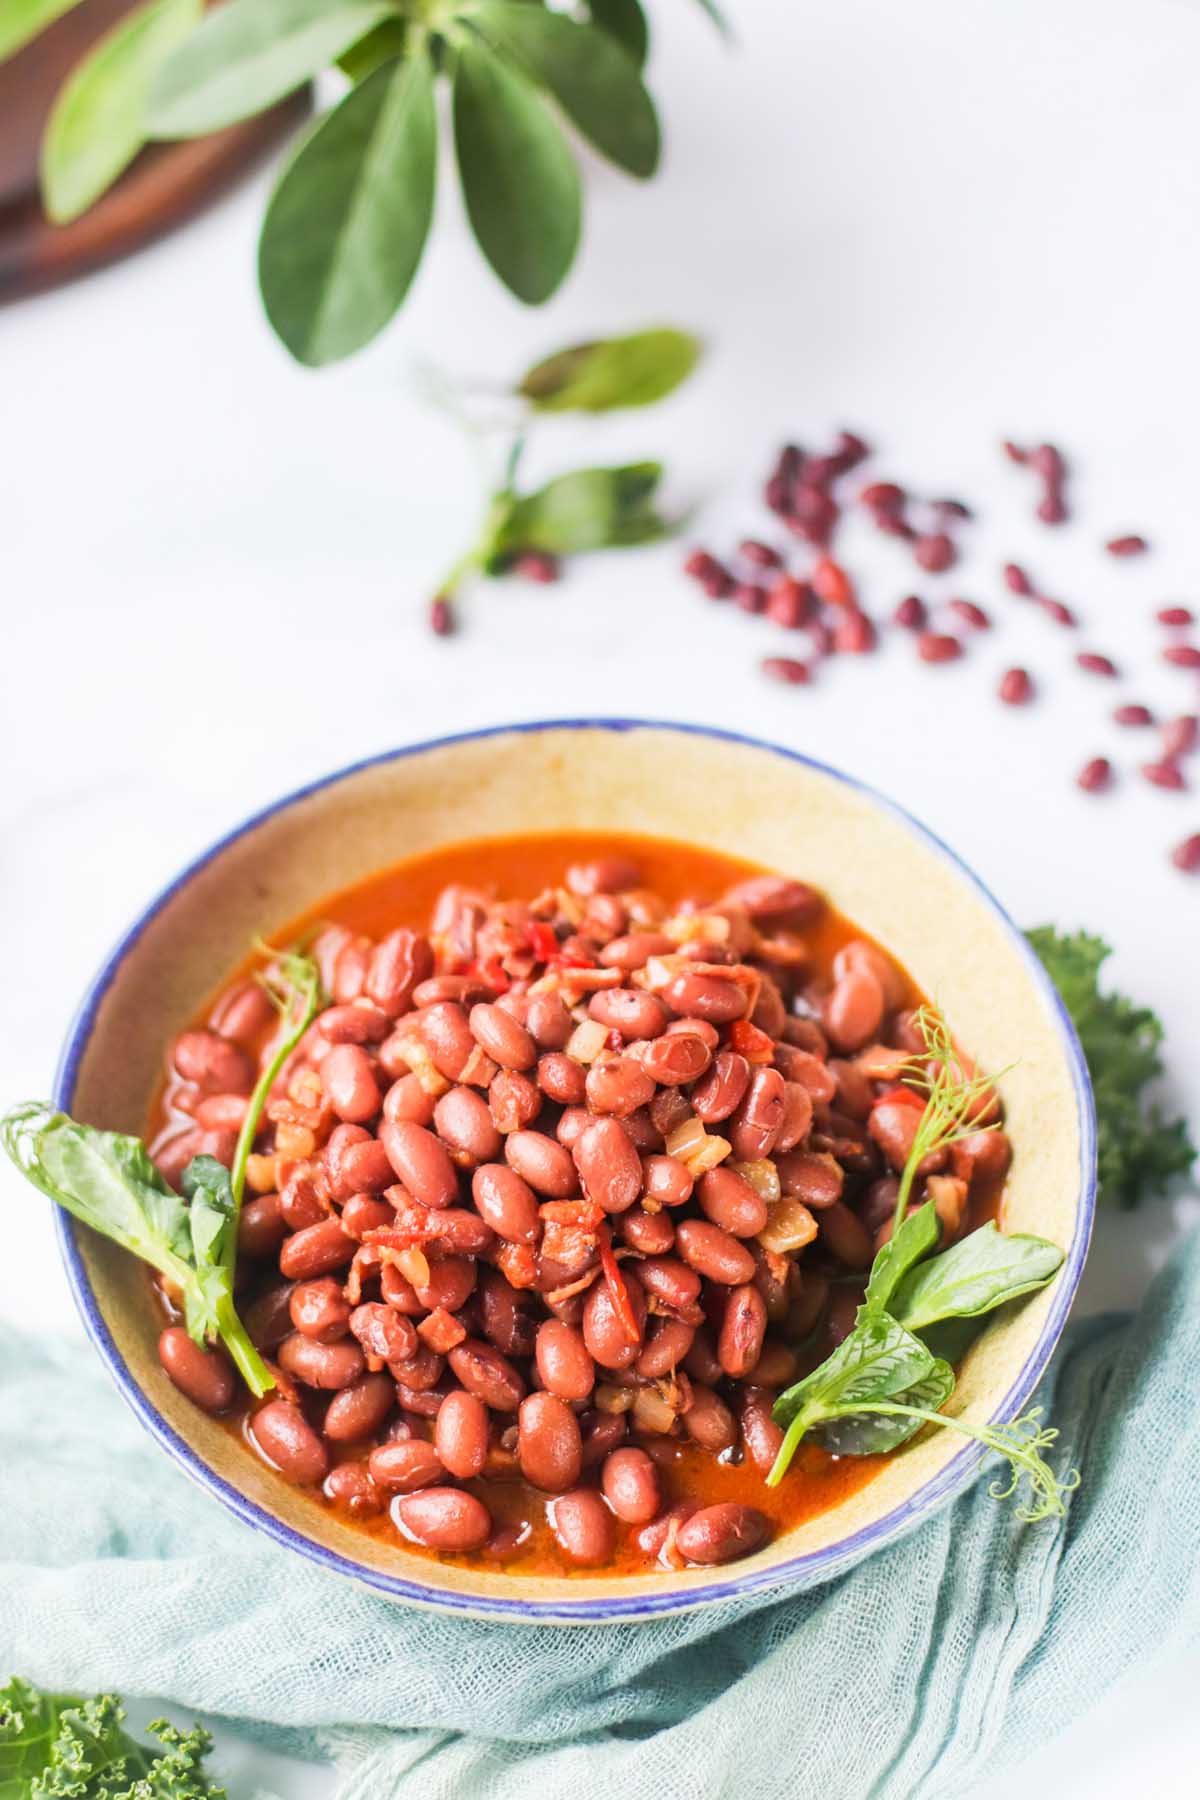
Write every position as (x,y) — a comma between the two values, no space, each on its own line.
(585,1214)
(518,1265)
(571,1247)
(479,1069)
(441,1330)
(750,1042)
(366,1261)
(543,940)
(617,1289)
(571,1288)
(490,970)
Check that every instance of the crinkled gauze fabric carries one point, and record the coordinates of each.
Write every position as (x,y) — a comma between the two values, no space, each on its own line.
(928,1665)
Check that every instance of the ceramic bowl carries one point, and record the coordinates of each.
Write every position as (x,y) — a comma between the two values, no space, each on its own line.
(748,799)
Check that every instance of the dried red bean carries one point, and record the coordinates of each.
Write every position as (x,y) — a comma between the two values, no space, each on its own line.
(749,597)
(1133,714)
(1054,609)
(1016,687)
(718,582)
(1180,736)
(536,565)
(1093,663)
(441,616)
(1016,580)
(1095,776)
(854,635)
(763,556)
(970,614)
(882,496)
(934,551)
(699,564)
(911,614)
(937,647)
(1165,774)
(1186,856)
(1183,656)
(786,669)
(1132,544)
(789,602)
(831,584)
(1175,615)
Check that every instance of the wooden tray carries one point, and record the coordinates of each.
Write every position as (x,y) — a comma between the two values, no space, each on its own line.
(165,185)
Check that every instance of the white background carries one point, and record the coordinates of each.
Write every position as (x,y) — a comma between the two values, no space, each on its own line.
(939,223)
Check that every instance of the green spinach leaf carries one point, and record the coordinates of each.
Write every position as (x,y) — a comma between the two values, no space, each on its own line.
(978,1273)
(878,1359)
(873,1434)
(635,370)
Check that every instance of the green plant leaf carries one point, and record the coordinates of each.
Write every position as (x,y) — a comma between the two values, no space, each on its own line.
(950,1339)
(594,80)
(21,20)
(917,1236)
(978,1273)
(520,182)
(589,509)
(635,370)
(347,223)
(877,1361)
(387,41)
(625,21)
(872,1434)
(249,53)
(95,128)
(57,1745)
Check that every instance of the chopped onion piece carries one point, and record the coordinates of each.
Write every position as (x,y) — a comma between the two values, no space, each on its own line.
(412,1263)
(587,1041)
(651,1412)
(712,1151)
(685,1138)
(762,1175)
(610,1399)
(789,1226)
(683,928)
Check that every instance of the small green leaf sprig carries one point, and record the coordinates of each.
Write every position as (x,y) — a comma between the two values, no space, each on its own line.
(584,509)
(346,226)
(886,1379)
(68,1747)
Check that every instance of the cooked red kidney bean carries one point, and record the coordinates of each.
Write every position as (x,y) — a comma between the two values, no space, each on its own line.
(463,1121)
(502,1038)
(740,1339)
(859,954)
(450,1284)
(721,1091)
(845,1235)
(668,1343)
(549,1447)
(777,898)
(382,1332)
(669,1280)
(359,1167)
(761,1436)
(488,1375)
(609,1166)
(797,1117)
(601,1433)
(603,875)
(650,1232)
(720,1534)
(421,1162)
(854,1010)
(213,1063)
(666,1180)
(221,1112)
(618,1087)
(642,1132)
(811,1176)
(299,1201)
(855,1089)
(320,1310)
(459,1231)
(358,1023)
(407,1099)
(320,1365)
(505,1318)
(548,1022)
(315,1251)
(398,964)
(348,1079)
(448,1037)
(985,1154)
(713,1253)
(583,1526)
(544,1164)
(267,1319)
(777,1365)
(632,1012)
(758,1120)
(361,1214)
(604,1332)
(261,1226)
(205,1376)
(507,1203)
(708,1421)
(562,1079)
(675,1058)
(350,1487)
(243,1013)
(514,1101)
(631,1485)
(445,1519)
(359,1410)
(690,1026)
(460,1434)
(893,1125)
(286,1439)
(730,1202)
(564,1363)
(634,950)
(712,997)
(401,1467)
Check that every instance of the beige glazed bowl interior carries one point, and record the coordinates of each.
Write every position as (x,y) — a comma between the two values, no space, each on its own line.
(730,794)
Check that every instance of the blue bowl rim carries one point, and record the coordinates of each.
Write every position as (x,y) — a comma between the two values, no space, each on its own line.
(809,1567)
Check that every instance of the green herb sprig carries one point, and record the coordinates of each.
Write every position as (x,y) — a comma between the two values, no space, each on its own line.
(1139,1151)
(66,1747)
(346,226)
(885,1381)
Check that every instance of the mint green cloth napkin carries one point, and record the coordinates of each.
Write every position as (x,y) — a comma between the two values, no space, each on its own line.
(944,1658)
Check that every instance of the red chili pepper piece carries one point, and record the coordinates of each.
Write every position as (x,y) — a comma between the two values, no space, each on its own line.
(750,1042)
(616,1286)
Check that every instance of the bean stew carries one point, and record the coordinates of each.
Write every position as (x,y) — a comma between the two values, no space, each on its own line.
(583,1160)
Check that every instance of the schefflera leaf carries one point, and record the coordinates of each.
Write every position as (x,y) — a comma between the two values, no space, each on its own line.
(347,223)
(248,54)
(519,178)
(625,21)
(592,77)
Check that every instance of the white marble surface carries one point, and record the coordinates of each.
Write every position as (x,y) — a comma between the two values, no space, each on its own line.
(939,223)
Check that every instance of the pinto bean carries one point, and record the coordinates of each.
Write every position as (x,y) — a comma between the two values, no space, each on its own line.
(666,1181)
(320,1310)
(602,875)
(713,1253)
(716,998)
(740,1340)
(488,1375)
(460,1434)
(632,1012)
(675,1058)
(466,989)
(320,1365)
(261,1226)
(359,1410)
(631,1485)
(514,1101)
(213,1063)
(448,1037)
(730,1202)
(286,1439)
(604,1332)
(398,964)
(545,1165)
(562,1079)
(853,1012)
(618,1087)
(421,1162)
(299,1201)
(348,1078)
(608,1164)
(650,1232)
(205,1376)
(507,1203)
(564,1364)
(549,1447)
(583,1526)
(315,1251)
(721,1533)
(403,1466)
(463,1121)
(350,1487)
(666,1346)
(758,1120)
(708,1421)
(502,1038)
(811,1176)
(444,1518)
